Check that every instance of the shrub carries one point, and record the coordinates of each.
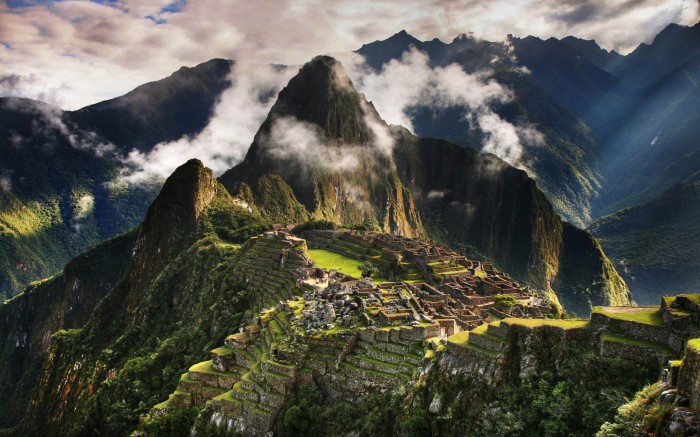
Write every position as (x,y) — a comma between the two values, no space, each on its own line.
(504,302)
(368,269)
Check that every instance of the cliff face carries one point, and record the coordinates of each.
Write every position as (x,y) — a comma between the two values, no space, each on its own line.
(65,301)
(172,219)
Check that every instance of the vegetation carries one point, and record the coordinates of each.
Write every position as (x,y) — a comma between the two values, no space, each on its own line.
(174,422)
(327,259)
(395,271)
(655,244)
(276,201)
(643,415)
(533,323)
(368,269)
(504,302)
(573,397)
(310,412)
(649,316)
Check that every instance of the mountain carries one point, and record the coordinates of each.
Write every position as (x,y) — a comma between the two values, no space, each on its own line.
(342,173)
(60,190)
(655,244)
(619,129)
(324,140)
(565,162)
(126,343)
(161,111)
(156,298)
(59,194)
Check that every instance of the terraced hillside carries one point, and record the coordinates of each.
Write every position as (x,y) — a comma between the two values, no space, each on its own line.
(352,337)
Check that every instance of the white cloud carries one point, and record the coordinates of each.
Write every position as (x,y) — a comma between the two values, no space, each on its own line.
(224,142)
(406,83)
(89,52)
(50,123)
(5,183)
(292,139)
(84,206)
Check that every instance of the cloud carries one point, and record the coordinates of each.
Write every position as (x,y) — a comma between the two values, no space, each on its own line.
(49,124)
(5,183)
(304,143)
(437,194)
(15,85)
(238,114)
(83,207)
(91,51)
(410,82)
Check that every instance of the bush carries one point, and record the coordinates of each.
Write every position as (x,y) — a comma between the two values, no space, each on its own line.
(368,269)
(504,302)
(394,271)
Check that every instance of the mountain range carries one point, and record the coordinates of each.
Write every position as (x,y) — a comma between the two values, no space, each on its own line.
(93,347)
(606,120)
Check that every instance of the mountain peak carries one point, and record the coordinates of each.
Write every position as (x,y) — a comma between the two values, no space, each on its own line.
(322,94)
(173,217)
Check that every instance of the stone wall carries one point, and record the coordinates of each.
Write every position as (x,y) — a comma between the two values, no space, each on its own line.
(655,334)
(639,354)
(689,375)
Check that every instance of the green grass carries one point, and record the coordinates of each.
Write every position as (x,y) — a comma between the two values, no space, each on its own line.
(482,331)
(695,298)
(223,351)
(328,260)
(640,343)
(646,315)
(481,349)
(163,404)
(228,397)
(694,344)
(533,323)
(460,338)
(207,367)
(331,260)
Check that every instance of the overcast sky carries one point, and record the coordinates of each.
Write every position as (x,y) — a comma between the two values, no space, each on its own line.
(74,53)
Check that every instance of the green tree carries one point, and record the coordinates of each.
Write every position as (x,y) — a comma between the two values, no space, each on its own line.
(504,302)
(368,269)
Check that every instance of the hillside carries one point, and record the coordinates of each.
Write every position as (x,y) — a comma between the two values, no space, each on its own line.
(58,196)
(565,162)
(277,330)
(161,111)
(656,244)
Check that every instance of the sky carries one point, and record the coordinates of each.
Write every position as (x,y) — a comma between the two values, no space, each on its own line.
(75,53)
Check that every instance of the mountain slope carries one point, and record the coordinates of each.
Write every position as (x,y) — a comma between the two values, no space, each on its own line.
(176,299)
(161,111)
(325,141)
(58,196)
(65,301)
(565,162)
(656,245)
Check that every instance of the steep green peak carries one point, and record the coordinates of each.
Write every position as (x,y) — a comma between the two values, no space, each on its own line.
(323,94)
(173,217)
